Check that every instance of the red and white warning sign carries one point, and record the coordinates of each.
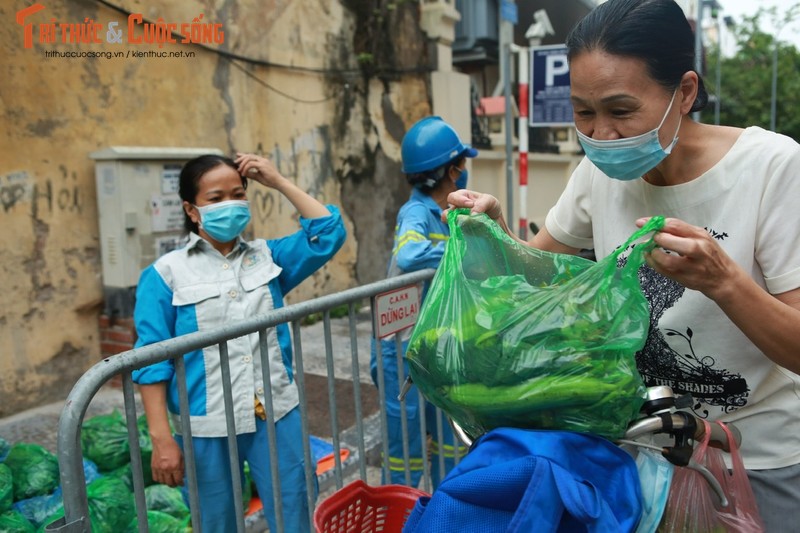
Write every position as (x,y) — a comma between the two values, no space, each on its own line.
(396,310)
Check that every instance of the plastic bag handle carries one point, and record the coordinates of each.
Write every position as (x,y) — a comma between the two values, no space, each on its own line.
(636,256)
(738,484)
(702,445)
(695,463)
(725,437)
(733,441)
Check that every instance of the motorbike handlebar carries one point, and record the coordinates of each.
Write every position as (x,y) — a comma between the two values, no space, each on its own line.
(681,421)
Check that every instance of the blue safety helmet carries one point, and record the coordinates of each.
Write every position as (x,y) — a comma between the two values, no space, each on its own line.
(429,144)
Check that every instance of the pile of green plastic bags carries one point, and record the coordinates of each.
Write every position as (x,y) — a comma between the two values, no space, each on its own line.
(30,495)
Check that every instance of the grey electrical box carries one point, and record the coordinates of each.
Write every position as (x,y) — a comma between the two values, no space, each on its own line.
(141,214)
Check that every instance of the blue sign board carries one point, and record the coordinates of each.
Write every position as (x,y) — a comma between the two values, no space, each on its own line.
(508,11)
(549,103)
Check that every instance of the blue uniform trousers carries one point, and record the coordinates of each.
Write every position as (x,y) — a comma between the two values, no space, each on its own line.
(443,448)
(214,476)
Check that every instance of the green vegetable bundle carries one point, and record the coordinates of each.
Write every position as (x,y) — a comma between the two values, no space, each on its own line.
(13,521)
(6,488)
(105,441)
(513,336)
(111,505)
(167,500)
(160,522)
(34,470)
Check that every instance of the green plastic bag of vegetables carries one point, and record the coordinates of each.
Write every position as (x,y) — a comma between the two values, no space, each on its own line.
(6,488)
(14,522)
(105,441)
(159,522)
(166,499)
(34,470)
(518,337)
(111,505)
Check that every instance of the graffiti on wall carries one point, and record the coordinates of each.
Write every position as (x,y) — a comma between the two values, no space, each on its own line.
(307,163)
(14,188)
(47,196)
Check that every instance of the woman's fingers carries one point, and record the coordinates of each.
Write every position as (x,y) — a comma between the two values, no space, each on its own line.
(258,168)
(167,463)
(250,164)
(684,239)
(172,476)
(246,163)
(691,256)
(476,202)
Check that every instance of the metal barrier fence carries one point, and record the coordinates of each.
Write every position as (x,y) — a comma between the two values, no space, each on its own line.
(70,459)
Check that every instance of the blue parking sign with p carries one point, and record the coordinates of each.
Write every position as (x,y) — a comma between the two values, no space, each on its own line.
(549,87)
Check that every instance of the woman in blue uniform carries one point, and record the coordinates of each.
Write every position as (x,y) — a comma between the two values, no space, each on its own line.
(219,278)
(434,163)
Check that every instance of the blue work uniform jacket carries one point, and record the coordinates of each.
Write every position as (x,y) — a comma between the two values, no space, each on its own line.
(420,235)
(196,288)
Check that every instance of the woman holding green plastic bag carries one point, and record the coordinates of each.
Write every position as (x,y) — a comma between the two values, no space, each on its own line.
(724,282)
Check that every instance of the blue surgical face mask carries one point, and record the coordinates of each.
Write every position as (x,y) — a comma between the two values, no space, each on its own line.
(632,157)
(224,221)
(461,181)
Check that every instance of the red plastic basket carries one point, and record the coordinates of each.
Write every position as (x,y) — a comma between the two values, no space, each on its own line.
(358,507)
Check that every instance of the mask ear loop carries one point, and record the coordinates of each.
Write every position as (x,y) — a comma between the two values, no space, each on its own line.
(669,108)
(199,216)
(668,149)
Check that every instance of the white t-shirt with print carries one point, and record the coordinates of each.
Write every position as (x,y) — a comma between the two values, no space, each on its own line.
(750,203)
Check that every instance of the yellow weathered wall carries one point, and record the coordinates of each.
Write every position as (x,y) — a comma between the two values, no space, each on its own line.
(332,128)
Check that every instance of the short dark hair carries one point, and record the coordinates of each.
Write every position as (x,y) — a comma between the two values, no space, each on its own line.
(430,179)
(655,31)
(192,171)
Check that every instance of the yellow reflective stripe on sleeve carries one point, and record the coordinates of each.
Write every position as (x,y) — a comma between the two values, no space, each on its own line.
(415,236)
(398,465)
(410,236)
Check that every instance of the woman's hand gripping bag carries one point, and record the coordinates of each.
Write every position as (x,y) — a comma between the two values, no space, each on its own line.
(511,336)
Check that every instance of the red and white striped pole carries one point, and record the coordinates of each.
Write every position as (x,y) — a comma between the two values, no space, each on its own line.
(523,141)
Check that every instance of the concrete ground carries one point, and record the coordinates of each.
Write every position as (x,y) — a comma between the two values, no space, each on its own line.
(40,425)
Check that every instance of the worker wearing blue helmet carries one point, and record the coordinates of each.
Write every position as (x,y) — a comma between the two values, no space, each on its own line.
(434,163)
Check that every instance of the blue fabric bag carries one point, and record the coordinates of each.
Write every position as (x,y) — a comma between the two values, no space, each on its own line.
(518,480)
